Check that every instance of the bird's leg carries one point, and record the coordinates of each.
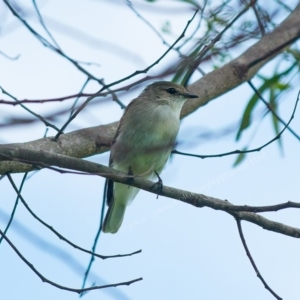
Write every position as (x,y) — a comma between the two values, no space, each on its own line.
(160,185)
(130,177)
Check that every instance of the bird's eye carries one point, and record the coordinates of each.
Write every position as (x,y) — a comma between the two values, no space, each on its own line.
(171,91)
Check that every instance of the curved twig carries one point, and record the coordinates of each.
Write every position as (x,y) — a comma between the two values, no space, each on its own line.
(44,279)
(58,234)
(238,221)
(43,158)
(246,151)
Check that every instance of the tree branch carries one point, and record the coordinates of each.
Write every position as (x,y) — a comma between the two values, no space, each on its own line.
(95,140)
(244,67)
(80,143)
(43,158)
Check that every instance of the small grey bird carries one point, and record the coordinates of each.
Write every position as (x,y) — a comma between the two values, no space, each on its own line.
(143,142)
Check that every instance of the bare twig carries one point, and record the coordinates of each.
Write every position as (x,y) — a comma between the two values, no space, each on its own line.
(57,233)
(129,4)
(97,236)
(77,98)
(15,207)
(43,24)
(198,200)
(124,79)
(44,279)
(250,150)
(214,41)
(238,221)
(157,61)
(273,111)
(82,106)
(9,57)
(258,18)
(29,110)
(244,67)
(47,44)
(41,101)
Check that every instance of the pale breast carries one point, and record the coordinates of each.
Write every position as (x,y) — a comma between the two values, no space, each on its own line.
(146,140)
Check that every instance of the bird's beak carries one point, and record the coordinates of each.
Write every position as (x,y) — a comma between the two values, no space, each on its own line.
(188,95)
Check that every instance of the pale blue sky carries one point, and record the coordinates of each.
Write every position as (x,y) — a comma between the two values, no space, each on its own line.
(187,252)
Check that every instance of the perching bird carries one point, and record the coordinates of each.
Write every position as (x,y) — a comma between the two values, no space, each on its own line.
(143,142)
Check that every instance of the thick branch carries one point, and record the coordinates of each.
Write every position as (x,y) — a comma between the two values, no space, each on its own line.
(95,140)
(43,158)
(80,143)
(246,65)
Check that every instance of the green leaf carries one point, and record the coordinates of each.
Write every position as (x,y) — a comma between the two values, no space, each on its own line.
(295,53)
(246,119)
(282,86)
(240,158)
(275,121)
(183,71)
(166,28)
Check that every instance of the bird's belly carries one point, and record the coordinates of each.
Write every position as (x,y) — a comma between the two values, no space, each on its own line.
(144,161)
(146,150)
(148,162)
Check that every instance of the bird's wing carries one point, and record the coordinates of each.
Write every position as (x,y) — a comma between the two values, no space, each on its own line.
(110,183)
(109,191)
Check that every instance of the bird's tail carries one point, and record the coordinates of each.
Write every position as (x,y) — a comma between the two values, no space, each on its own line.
(114,217)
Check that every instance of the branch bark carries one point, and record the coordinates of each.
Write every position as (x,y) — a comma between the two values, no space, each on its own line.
(96,140)
(244,67)
(43,158)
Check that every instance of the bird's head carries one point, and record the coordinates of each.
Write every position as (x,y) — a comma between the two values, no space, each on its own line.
(167,91)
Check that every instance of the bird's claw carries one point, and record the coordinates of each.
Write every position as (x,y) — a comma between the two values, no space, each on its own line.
(160,185)
(130,178)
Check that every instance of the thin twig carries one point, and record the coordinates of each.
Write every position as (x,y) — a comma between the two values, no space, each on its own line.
(14,208)
(238,221)
(44,279)
(29,110)
(96,237)
(58,234)
(43,24)
(260,24)
(272,110)
(214,41)
(41,101)
(9,57)
(157,61)
(47,44)
(129,4)
(77,98)
(245,151)
(125,78)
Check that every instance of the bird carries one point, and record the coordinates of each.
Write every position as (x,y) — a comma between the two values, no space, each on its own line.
(143,143)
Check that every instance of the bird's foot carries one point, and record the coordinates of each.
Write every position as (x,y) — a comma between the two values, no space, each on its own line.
(159,184)
(130,177)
